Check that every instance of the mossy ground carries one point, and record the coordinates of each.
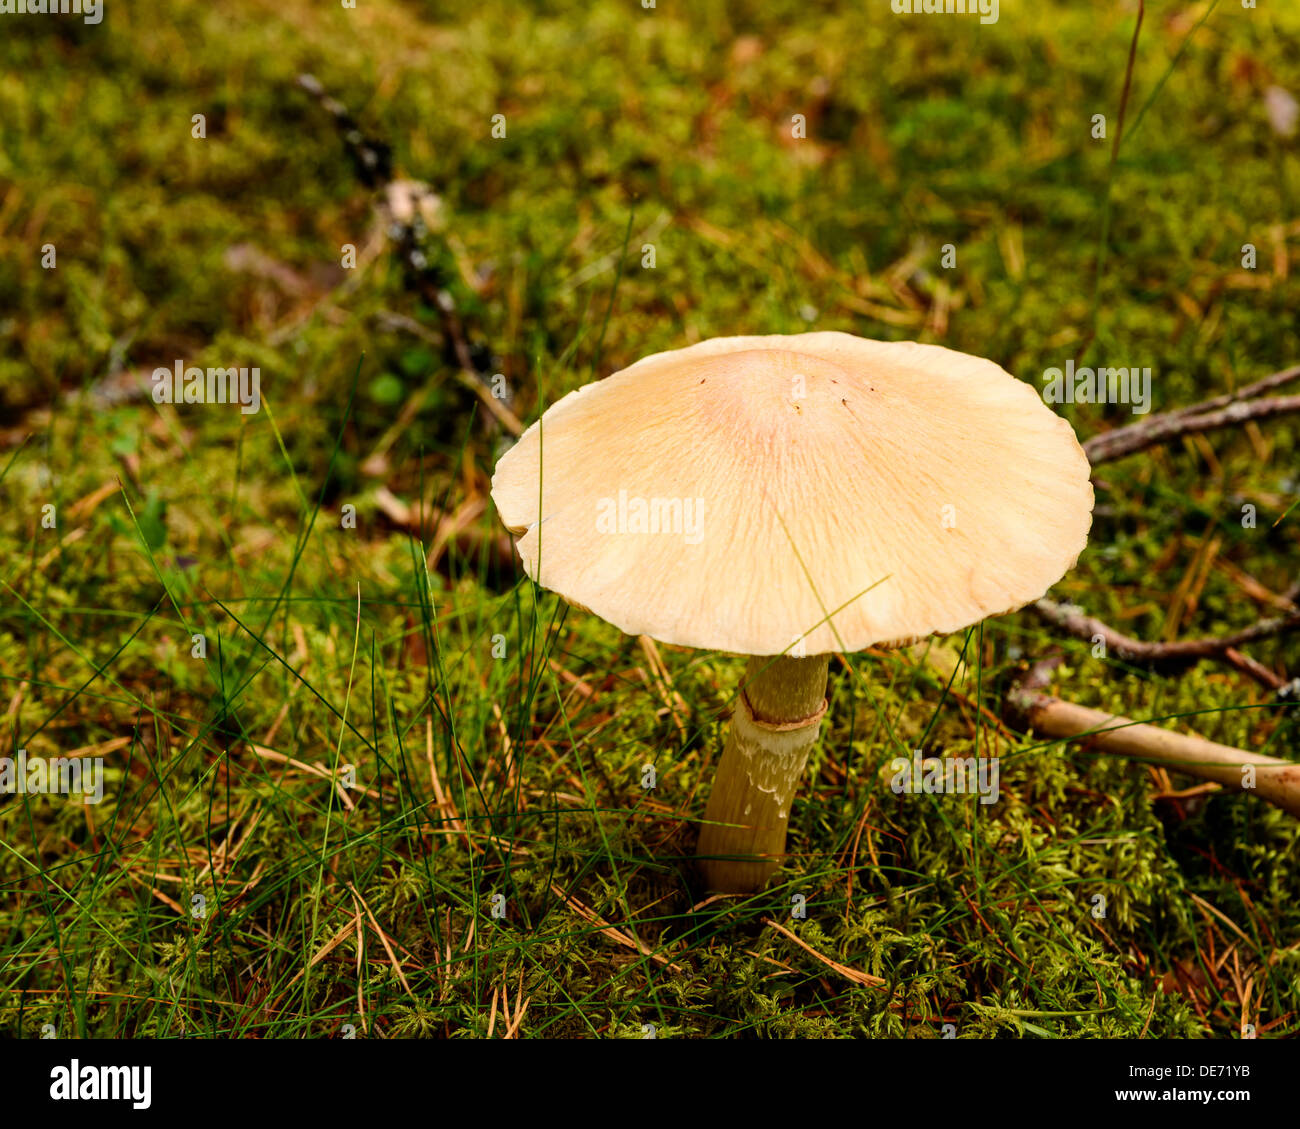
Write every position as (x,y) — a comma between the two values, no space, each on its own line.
(337,646)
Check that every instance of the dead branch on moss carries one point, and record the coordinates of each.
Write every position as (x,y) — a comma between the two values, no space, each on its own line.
(411,213)
(504,416)
(1229,410)
(1274,780)
(1171,656)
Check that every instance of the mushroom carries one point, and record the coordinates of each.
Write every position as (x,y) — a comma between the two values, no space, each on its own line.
(785,498)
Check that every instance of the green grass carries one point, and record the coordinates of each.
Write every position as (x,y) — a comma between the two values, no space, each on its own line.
(330,646)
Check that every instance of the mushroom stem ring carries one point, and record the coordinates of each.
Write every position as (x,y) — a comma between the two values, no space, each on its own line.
(785,726)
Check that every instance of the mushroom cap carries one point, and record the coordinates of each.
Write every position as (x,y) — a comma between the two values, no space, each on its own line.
(798,494)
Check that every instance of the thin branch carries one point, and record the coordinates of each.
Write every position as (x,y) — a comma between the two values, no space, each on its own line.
(1185,652)
(1249,392)
(373,159)
(1274,780)
(1228,410)
(468,377)
(407,229)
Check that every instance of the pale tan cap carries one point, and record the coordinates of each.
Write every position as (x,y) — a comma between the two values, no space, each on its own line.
(747,493)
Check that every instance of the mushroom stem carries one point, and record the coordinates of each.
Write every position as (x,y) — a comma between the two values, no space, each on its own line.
(778,716)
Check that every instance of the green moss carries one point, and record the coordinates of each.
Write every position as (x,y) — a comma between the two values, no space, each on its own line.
(228,248)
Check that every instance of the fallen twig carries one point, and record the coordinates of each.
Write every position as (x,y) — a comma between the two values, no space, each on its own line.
(1227,410)
(411,209)
(1274,780)
(468,377)
(373,159)
(1183,653)
(608,930)
(850,974)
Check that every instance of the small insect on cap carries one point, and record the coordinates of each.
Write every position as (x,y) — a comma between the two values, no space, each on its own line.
(810,493)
